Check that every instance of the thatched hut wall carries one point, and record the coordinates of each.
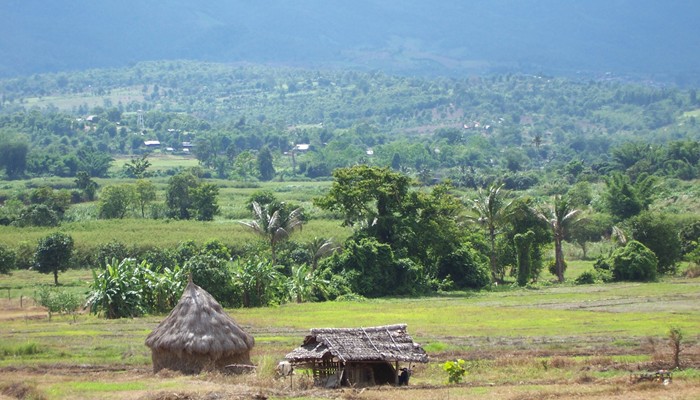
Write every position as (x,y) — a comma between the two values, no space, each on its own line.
(196,363)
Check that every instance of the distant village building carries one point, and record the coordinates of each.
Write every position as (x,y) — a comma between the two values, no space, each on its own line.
(358,356)
(152,143)
(302,147)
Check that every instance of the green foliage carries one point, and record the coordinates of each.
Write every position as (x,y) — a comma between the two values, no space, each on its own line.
(115,201)
(455,370)
(659,232)
(523,244)
(586,278)
(13,157)
(373,271)
(559,216)
(129,289)
(58,301)
(144,194)
(675,337)
(466,268)
(490,210)
(265,167)
(274,223)
(8,259)
(634,262)
(258,282)
(213,275)
(53,254)
(137,167)
(187,197)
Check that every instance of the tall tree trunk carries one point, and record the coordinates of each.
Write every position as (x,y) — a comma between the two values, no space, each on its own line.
(559,258)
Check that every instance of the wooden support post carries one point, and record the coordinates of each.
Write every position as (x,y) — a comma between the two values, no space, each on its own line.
(396,374)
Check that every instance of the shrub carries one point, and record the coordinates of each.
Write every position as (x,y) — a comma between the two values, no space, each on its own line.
(8,260)
(213,275)
(466,268)
(634,262)
(58,301)
(455,370)
(659,233)
(586,278)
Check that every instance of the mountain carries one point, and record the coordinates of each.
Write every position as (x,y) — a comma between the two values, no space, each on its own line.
(626,37)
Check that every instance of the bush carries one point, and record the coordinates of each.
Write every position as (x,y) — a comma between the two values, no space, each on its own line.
(8,260)
(213,275)
(466,268)
(58,301)
(634,262)
(659,233)
(455,370)
(586,278)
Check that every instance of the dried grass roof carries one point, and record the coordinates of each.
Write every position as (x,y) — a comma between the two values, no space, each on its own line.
(380,343)
(199,325)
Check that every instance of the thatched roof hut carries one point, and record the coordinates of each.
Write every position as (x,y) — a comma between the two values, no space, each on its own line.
(357,356)
(198,335)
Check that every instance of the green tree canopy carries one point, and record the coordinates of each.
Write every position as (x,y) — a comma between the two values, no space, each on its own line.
(53,254)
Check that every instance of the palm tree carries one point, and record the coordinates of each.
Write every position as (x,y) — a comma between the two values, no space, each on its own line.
(558,216)
(491,211)
(319,248)
(274,224)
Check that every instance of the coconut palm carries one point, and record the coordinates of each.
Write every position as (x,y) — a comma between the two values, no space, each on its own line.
(491,211)
(319,248)
(558,216)
(274,224)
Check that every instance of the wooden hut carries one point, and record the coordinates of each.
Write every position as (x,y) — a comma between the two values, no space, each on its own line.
(357,356)
(199,336)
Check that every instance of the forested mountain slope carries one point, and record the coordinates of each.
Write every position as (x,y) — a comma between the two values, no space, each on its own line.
(626,37)
(514,123)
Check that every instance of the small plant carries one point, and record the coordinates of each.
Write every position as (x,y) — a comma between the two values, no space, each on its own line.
(455,370)
(58,301)
(675,336)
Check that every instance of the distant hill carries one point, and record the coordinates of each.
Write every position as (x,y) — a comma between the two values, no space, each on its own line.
(626,37)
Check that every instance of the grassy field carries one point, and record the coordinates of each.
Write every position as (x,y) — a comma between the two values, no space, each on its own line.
(550,342)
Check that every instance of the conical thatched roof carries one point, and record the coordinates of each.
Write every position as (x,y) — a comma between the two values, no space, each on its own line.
(198,326)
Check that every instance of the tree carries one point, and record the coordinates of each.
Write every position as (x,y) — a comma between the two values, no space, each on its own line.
(559,217)
(85,183)
(634,262)
(274,224)
(265,167)
(244,165)
(204,201)
(144,193)
(178,195)
(590,228)
(319,248)
(13,156)
(491,212)
(369,197)
(625,199)
(53,254)
(115,201)
(523,244)
(8,260)
(659,232)
(137,167)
